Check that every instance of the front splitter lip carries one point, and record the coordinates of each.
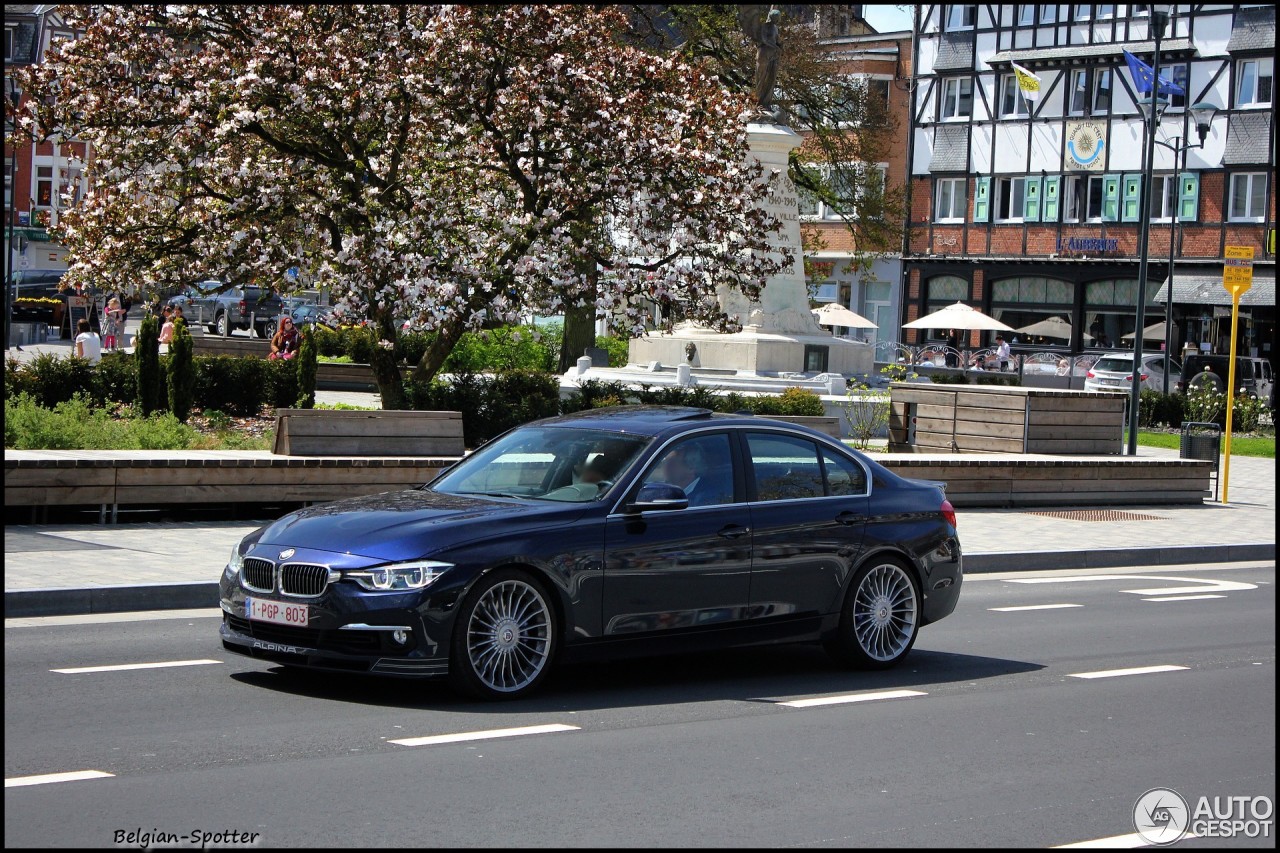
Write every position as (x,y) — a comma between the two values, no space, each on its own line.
(297,655)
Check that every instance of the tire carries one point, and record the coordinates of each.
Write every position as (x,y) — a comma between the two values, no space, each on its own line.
(1209,381)
(880,618)
(220,325)
(505,638)
(266,330)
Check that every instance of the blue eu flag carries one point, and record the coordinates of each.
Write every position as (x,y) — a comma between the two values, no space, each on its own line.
(1142,75)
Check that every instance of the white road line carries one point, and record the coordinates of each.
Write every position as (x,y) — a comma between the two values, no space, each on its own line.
(1183,597)
(123,666)
(1115,842)
(1073,578)
(853,697)
(73,776)
(492,733)
(1033,607)
(107,618)
(1137,670)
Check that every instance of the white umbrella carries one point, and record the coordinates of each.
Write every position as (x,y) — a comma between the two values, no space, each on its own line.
(958,316)
(833,314)
(1054,327)
(1154,332)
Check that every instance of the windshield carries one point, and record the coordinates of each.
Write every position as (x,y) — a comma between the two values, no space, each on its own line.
(545,463)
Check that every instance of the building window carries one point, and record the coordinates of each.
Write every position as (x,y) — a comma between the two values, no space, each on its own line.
(952,200)
(1078,103)
(1179,74)
(1248,197)
(1102,91)
(1026,15)
(44,186)
(1105,11)
(1083,12)
(961,17)
(872,179)
(1072,200)
(1253,85)
(1097,194)
(1010,197)
(1012,103)
(9,33)
(1049,14)
(957,98)
(8,185)
(1164,197)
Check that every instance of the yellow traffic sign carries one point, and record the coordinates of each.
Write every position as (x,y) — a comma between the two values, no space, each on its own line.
(1237,270)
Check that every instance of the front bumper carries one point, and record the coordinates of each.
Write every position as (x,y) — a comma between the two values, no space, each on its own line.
(347,631)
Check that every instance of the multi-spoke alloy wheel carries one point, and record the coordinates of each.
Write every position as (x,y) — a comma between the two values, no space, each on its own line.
(881,617)
(505,638)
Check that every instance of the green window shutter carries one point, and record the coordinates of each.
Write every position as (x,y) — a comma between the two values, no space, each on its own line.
(1131,209)
(1188,196)
(1031,200)
(1050,204)
(982,200)
(1110,198)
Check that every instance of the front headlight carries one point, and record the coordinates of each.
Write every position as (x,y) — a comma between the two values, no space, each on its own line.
(236,562)
(398,577)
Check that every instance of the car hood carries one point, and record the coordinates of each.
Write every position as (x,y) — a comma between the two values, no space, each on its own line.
(411,524)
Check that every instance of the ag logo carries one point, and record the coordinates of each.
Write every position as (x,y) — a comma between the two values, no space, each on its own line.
(1161,816)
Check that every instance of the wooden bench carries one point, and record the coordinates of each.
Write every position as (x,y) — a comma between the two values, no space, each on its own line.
(342,432)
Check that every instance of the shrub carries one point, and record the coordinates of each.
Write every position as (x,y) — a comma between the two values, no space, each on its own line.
(76,424)
(279,383)
(55,380)
(489,405)
(116,379)
(1157,409)
(182,373)
(619,349)
(150,379)
(236,384)
(506,348)
(307,370)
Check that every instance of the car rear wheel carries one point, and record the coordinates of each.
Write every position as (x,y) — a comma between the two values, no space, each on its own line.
(220,325)
(880,618)
(504,638)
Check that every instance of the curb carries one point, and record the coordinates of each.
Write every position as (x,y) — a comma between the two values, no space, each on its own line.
(126,599)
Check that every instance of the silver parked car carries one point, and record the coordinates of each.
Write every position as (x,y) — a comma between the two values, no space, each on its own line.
(1114,372)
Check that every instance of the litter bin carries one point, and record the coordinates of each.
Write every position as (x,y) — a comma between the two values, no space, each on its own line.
(1202,441)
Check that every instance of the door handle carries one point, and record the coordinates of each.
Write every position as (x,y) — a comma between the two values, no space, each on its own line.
(849,517)
(733,531)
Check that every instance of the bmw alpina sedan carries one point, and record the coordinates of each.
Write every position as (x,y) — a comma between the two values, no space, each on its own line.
(628,530)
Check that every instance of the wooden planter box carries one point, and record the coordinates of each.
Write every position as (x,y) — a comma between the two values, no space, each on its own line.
(1003,419)
(344,432)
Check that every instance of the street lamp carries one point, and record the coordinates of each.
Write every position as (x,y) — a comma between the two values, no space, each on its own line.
(1158,19)
(1202,114)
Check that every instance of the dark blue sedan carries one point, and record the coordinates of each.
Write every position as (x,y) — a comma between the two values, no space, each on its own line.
(629,530)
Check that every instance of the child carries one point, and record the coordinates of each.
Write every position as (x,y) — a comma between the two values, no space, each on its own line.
(111,324)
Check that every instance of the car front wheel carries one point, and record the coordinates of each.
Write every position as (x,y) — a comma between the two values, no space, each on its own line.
(504,638)
(880,618)
(220,325)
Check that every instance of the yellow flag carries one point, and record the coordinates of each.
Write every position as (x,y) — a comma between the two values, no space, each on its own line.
(1027,82)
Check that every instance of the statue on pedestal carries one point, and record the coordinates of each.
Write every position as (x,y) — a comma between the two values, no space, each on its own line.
(766,34)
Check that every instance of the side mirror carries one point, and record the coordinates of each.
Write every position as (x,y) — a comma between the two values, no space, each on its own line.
(659,496)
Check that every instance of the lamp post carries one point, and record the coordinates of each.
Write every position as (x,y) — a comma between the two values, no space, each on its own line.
(15,96)
(1202,113)
(1158,19)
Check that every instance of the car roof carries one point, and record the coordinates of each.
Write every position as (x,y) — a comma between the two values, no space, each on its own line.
(659,420)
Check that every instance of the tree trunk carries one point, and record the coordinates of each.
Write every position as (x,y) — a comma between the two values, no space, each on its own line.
(383,362)
(580,322)
(437,351)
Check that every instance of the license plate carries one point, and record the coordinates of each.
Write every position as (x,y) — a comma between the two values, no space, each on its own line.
(1111,382)
(276,612)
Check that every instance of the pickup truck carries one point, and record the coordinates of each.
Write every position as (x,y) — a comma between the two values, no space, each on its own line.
(220,309)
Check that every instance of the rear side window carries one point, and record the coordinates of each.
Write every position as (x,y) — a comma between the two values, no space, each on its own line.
(786,468)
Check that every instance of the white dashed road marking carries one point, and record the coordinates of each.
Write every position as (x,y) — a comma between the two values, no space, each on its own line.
(852,697)
(487,735)
(121,667)
(1137,670)
(1033,607)
(48,778)
(1183,597)
(1115,842)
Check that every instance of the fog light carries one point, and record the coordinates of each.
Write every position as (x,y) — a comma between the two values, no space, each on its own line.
(401,637)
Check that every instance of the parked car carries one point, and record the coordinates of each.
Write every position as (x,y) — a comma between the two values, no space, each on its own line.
(310,314)
(1253,375)
(36,284)
(1113,371)
(581,536)
(220,309)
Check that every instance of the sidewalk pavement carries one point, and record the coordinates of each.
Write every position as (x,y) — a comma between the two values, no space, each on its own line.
(77,569)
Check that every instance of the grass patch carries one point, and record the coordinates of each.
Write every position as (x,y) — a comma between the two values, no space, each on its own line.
(1261,446)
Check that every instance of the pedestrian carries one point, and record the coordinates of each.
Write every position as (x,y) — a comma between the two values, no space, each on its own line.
(88,344)
(166,330)
(285,342)
(953,348)
(1002,352)
(112,324)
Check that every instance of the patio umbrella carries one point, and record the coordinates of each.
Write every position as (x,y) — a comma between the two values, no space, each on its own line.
(833,314)
(958,316)
(1054,327)
(1154,332)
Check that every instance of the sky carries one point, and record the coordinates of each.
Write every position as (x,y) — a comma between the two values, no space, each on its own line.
(888,18)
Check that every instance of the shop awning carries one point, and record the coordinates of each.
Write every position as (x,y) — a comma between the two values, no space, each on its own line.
(1207,289)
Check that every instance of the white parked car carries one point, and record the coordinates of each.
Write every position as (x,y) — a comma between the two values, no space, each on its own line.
(1114,372)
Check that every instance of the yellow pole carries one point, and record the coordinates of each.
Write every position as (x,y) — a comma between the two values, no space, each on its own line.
(1231,393)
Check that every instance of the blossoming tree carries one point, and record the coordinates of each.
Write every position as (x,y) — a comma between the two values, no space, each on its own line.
(442,168)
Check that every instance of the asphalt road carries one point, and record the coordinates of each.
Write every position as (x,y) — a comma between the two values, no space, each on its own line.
(1001,741)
